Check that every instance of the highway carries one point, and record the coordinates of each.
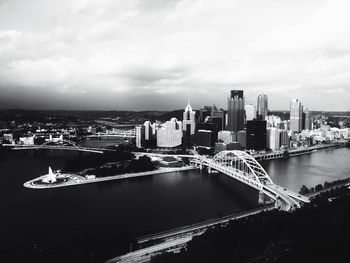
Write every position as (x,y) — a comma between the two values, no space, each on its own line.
(203,225)
(145,254)
(175,239)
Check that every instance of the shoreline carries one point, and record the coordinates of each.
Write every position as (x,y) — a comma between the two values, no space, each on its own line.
(75,179)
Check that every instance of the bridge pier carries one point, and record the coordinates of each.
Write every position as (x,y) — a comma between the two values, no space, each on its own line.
(262,197)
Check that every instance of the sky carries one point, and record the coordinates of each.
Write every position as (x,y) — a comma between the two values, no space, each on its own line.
(155,54)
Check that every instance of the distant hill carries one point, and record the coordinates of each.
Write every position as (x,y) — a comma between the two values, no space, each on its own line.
(178,114)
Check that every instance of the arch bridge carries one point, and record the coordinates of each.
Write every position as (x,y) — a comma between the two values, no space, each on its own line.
(244,168)
(64,144)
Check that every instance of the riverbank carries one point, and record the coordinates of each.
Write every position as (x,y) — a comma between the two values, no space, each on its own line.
(295,152)
(300,237)
(74,179)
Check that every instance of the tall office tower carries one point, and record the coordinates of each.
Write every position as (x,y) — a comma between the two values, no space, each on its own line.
(205,138)
(148,130)
(250,112)
(256,135)
(308,120)
(262,106)
(220,114)
(170,134)
(148,134)
(284,138)
(242,138)
(273,139)
(296,115)
(235,111)
(204,112)
(188,125)
(138,135)
(189,122)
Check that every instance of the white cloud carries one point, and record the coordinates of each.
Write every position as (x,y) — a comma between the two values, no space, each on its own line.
(200,49)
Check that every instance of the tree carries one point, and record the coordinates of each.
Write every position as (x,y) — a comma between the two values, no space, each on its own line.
(318,187)
(304,190)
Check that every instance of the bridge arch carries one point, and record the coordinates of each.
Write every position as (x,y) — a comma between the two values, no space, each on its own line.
(64,141)
(240,160)
(243,167)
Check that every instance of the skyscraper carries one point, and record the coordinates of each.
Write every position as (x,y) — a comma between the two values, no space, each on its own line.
(308,121)
(220,114)
(235,111)
(189,122)
(284,138)
(296,115)
(250,112)
(170,134)
(262,107)
(256,135)
(273,138)
(138,133)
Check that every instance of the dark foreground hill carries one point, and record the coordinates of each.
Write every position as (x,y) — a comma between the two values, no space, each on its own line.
(319,232)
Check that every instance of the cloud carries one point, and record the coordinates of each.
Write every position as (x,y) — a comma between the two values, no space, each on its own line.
(102,49)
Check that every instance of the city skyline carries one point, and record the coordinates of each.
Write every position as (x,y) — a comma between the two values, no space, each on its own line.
(108,55)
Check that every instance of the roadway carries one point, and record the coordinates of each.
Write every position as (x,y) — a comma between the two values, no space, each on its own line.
(145,254)
(177,238)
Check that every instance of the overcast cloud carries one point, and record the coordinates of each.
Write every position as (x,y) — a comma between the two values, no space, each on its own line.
(154,54)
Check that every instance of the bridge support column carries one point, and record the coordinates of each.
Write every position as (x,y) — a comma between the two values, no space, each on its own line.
(201,166)
(209,169)
(261,197)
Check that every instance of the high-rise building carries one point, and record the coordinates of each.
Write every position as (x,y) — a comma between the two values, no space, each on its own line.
(210,126)
(296,115)
(273,121)
(205,111)
(235,111)
(256,135)
(138,136)
(220,114)
(148,130)
(250,112)
(148,134)
(170,134)
(188,124)
(284,138)
(226,136)
(308,120)
(273,138)
(262,107)
(205,138)
(242,138)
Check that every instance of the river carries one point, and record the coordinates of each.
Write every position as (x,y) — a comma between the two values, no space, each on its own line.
(134,207)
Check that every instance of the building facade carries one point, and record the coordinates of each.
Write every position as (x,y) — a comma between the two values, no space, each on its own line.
(226,136)
(296,115)
(308,120)
(250,112)
(256,135)
(273,139)
(235,111)
(262,106)
(189,121)
(170,134)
